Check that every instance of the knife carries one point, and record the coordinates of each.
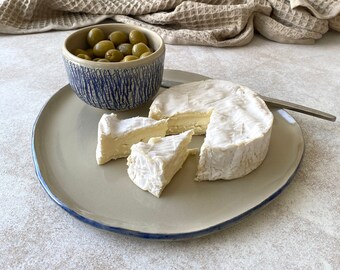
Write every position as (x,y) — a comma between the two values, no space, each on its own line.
(276,103)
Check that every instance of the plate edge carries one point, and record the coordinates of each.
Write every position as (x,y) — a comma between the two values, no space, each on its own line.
(145,235)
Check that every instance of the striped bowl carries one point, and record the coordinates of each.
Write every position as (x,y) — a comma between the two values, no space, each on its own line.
(114,86)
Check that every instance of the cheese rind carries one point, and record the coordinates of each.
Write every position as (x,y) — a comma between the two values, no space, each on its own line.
(115,136)
(152,165)
(238,130)
(220,159)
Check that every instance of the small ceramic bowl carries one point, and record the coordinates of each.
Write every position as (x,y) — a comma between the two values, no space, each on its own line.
(114,86)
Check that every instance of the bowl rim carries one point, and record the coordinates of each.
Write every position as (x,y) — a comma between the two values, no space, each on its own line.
(113,65)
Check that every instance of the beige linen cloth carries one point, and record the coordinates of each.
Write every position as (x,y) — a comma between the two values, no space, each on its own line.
(219,23)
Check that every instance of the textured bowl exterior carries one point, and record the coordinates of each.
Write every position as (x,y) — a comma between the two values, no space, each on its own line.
(114,86)
(116,89)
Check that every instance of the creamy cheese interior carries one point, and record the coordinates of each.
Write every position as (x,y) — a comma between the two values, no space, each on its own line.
(115,136)
(186,121)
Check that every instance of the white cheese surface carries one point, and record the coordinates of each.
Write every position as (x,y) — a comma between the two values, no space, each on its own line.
(238,129)
(110,125)
(152,165)
(116,136)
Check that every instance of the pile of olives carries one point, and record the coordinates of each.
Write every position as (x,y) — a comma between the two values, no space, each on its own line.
(117,47)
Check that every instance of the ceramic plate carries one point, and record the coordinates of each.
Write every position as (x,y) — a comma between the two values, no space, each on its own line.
(64,142)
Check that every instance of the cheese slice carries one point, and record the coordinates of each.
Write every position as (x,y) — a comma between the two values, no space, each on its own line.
(115,136)
(152,165)
(236,121)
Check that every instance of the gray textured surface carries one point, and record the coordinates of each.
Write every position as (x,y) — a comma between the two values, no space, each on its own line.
(300,229)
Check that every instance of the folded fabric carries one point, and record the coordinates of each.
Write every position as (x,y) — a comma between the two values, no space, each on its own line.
(219,23)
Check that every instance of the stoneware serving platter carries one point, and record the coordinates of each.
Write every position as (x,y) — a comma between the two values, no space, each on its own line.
(64,142)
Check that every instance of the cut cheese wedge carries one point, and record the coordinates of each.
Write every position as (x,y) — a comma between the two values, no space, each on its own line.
(236,121)
(115,136)
(152,165)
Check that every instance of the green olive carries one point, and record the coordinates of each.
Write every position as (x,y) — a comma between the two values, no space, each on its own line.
(114,55)
(130,47)
(89,52)
(94,36)
(84,56)
(118,37)
(146,54)
(80,51)
(129,58)
(136,36)
(125,48)
(140,48)
(102,47)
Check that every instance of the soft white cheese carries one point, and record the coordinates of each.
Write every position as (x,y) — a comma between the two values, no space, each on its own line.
(116,136)
(236,121)
(152,165)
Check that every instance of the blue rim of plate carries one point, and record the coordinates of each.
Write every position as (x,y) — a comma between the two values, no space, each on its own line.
(155,236)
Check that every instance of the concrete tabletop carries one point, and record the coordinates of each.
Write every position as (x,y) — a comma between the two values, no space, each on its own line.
(300,229)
